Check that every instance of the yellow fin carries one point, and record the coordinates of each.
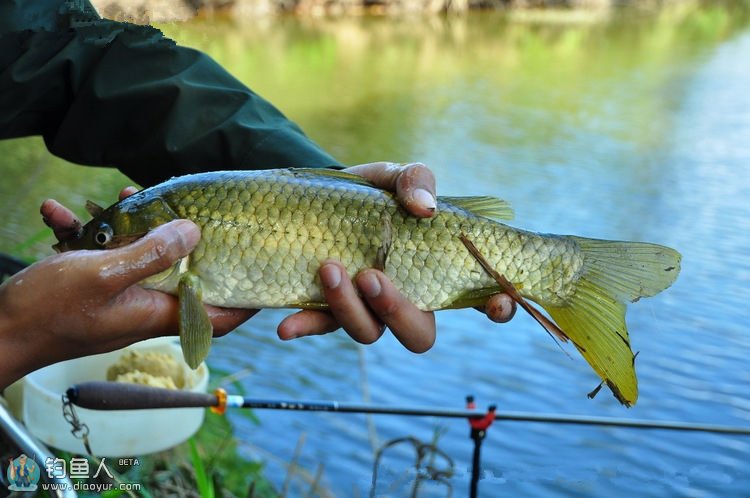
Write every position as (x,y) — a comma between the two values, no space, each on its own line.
(629,270)
(472,298)
(196,330)
(485,206)
(595,323)
(594,317)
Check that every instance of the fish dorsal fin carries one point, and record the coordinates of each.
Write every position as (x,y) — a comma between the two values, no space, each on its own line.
(486,206)
(332,173)
(94,209)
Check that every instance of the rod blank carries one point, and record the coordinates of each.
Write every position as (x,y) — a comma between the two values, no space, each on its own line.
(119,396)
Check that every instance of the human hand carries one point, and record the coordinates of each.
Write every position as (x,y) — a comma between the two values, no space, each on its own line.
(364,312)
(86,302)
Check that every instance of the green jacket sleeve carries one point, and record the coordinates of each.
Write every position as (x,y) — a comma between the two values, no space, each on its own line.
(115,94)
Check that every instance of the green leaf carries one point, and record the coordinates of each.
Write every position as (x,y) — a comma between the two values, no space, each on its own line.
(203,480)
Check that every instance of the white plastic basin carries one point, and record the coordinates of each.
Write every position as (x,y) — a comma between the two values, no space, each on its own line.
(115,433)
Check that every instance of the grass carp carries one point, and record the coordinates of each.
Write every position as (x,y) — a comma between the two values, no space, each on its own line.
(265,234)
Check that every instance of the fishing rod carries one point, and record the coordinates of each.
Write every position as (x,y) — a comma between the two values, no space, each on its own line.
(121,396)
(99,395)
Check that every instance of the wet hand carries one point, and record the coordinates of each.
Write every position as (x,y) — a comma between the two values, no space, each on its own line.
(66,225)
(364,312)
(86,302)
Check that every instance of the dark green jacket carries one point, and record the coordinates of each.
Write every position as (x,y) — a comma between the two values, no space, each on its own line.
(107,93)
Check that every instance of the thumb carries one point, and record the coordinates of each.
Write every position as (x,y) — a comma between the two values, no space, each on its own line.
(155,252)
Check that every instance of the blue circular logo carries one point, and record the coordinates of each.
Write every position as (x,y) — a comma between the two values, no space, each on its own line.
(22,474)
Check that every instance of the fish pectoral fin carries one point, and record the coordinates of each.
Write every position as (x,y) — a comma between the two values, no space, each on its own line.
(485,206)
(195,327)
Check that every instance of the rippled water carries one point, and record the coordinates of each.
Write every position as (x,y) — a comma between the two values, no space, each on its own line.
(636,127)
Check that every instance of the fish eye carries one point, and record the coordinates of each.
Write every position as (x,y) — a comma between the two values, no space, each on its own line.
(103,235)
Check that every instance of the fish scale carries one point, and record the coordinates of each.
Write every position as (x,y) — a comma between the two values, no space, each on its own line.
(426,261)
(264,235)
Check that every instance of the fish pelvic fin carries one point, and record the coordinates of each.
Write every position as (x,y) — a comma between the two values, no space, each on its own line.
(614,273)
(195,327)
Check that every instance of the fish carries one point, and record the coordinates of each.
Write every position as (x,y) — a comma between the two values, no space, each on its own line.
(265,233)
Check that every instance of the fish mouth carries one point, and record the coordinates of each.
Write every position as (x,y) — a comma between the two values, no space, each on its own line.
(61,246)
(69,243)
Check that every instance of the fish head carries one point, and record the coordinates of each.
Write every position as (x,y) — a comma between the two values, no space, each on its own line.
(120,224)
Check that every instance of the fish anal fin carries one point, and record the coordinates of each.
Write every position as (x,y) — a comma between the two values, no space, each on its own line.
(472,298)
(196,330)
(485,206)
(310,305)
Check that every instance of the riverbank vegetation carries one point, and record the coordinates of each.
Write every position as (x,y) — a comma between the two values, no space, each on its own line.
(144,11)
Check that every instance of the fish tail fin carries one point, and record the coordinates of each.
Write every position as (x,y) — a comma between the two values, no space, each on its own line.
(613,274)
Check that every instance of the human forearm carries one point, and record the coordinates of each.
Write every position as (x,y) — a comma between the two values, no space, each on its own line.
(115,94)
(11,354)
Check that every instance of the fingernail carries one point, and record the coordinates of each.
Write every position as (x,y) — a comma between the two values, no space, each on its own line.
(330,276)
(425,199)
(369,284)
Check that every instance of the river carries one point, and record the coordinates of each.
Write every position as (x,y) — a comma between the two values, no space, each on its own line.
(631,126)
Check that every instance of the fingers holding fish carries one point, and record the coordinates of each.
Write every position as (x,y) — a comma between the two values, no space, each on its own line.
(305,323)
(414,328)
(345,310)
(499,308)
(225,320)
(351,313)
(127,192)
(415,189)
(63,222)
(60,219)
(413,183)
(151,254)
